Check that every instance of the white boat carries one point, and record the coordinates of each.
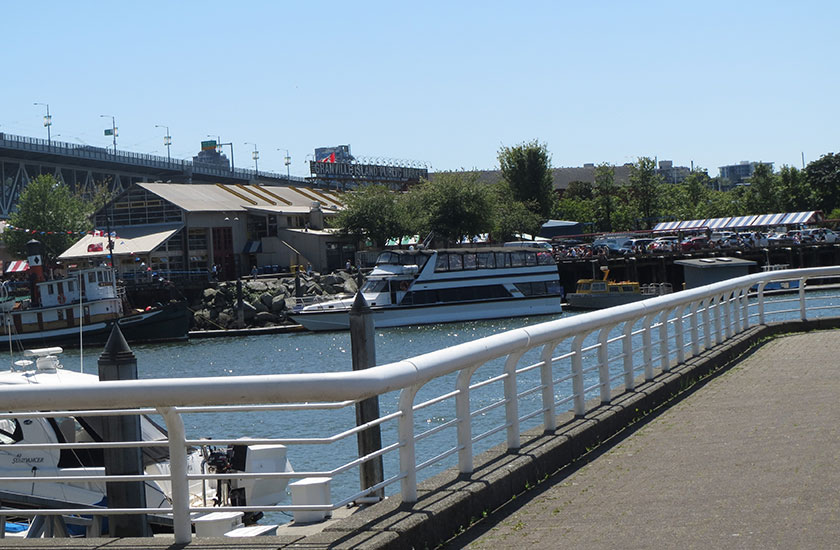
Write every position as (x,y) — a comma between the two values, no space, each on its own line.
(416,287)
(16,430)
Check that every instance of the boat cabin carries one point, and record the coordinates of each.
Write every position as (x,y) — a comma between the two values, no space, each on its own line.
(88,284)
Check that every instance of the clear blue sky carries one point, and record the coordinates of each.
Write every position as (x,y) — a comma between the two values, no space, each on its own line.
(443,82)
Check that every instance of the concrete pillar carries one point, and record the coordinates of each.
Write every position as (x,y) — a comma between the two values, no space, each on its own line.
(364,356)
(117,362)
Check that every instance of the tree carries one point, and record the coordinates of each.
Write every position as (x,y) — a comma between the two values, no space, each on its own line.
(454,205)
(527,169)
(795,193)
(371,213)
(762,194)
(823,176)
(644,182)
(511,216)
(604,194)
(48,211)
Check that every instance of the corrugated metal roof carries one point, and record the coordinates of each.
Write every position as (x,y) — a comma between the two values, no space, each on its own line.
(138,239)
(206,197)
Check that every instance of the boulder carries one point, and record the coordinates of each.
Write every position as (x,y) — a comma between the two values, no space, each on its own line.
(278,304)
(256,286)
(266,299)
(264,318)
(249,310)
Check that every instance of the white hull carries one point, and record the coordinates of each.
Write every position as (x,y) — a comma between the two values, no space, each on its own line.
(396,316)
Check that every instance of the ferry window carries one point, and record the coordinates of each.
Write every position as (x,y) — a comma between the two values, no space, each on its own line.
(10,431)
(545,258)
(584,286)
(442,262)
(91,277)
(456,262)
(486,260)
(554,288)
(388,258)
(627,288)
(502,259)
(615,289)
(60,313)
(50,289)
(531,289)
(70,286)
(530,258)
(517,259)
(101,276)
(469,261)
(600,287)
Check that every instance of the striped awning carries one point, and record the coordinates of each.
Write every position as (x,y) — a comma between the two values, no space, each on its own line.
(767,219)
(740,221)
(693,224)
(717,223)
(797,218)
(253,247)
(667,226)
(17,266)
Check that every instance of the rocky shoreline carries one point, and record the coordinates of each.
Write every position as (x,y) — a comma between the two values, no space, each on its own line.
(267,301)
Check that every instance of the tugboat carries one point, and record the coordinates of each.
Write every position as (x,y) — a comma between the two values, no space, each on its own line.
(84,305)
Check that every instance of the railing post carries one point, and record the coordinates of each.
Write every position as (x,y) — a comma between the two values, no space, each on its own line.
(577,375)
(627,351)
(737,322)
(178,474)
(802,310)
(408,463)
(547,382)
(695,330)
(512,401)
(719,310)
(745,308)
(604,364)
(464,426)
(707,326)
(761,302)
(664,353)
(646,346)
(727,320)
(679,341)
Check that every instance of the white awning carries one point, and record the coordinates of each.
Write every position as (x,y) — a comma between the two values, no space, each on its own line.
(798,218)
(767,219)
(126,242)
(717,223)
(740,221)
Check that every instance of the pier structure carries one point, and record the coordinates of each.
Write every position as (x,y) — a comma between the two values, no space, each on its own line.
(566,390)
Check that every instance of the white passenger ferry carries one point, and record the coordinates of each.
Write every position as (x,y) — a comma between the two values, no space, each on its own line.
(415,287)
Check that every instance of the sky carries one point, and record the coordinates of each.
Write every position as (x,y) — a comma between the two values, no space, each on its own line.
(442,83)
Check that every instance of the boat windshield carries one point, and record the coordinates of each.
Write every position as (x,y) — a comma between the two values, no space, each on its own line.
(394,258)
(374,285)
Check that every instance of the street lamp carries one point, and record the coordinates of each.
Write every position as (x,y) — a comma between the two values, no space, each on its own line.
(167,140)
(287,160)
(219,146)
(255,155)
(112,131)
(47,121)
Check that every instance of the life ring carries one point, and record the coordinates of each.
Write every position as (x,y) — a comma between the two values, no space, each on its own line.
(61,299)
(404,285)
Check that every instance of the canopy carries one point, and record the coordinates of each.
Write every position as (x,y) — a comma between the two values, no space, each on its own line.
(767,219)
(557,228)
(797,218)
(717,223)
(740,221)
(667,226)
(17,266)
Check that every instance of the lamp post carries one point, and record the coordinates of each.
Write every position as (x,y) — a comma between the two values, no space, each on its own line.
(219,146)
(112,131)
(167,140)
(47,121)
(287,160)
(255,155)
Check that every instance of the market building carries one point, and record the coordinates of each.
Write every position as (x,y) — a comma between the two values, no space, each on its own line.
(181,231)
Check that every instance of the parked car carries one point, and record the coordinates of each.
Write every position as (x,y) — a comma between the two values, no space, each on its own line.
(694,243)
(633,245)
(721,236)
(664,244)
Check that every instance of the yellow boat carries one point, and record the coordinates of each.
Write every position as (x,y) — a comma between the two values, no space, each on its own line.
(602,293)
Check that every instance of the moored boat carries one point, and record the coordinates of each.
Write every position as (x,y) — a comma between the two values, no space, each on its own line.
(425,286)
(87,302)
(603,293)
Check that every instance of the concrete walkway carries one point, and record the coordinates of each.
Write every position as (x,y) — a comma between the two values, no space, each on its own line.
(750,460)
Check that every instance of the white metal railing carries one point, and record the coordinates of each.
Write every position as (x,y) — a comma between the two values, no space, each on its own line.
(447,403)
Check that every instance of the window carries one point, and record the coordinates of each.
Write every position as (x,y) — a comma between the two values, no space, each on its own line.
(470,261)
(91,277)
(502,259)
(486,260)
(442,262)
(71,286)
(517,259)
(50,290)
(456,262)
(10,431)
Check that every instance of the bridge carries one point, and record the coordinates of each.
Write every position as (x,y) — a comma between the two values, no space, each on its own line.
(83,167)
(475,425)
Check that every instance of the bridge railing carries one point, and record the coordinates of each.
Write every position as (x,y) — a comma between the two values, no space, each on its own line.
(438,409)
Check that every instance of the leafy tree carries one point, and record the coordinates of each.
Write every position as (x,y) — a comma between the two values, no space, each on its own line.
(527,169)
(604,192)
(575,209)
(512,216)
(51,213)
(795,193)
(762,194)
(698,184)
(454,205)
(578,190)
(823,176)
(643,187)
(371,213)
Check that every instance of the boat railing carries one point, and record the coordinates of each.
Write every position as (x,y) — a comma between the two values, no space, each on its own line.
(322,301)
(438,410)
(656,289)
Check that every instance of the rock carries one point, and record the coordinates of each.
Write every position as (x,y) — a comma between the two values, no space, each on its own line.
(350,286)
(264,318)
(249,310)
(278,304)
(266,299)
(256,286)
(224,320)
(261,307)
(209,294)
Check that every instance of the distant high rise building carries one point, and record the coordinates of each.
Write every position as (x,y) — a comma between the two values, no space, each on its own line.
(739,173)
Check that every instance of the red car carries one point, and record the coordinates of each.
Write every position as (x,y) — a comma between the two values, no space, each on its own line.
(694,243)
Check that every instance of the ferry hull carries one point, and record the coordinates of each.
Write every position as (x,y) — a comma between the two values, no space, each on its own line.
(396,316)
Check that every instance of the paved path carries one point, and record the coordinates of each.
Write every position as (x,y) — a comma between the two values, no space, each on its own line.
(751,460)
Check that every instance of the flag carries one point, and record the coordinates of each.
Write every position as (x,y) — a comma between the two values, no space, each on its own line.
(95,247)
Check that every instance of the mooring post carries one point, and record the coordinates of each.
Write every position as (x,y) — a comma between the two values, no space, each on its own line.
(240,305)
(367,410)
(118,362)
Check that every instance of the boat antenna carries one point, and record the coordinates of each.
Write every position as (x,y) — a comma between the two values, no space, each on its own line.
(428,240)
(81,323)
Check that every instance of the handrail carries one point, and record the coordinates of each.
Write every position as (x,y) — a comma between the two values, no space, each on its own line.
(594,354)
